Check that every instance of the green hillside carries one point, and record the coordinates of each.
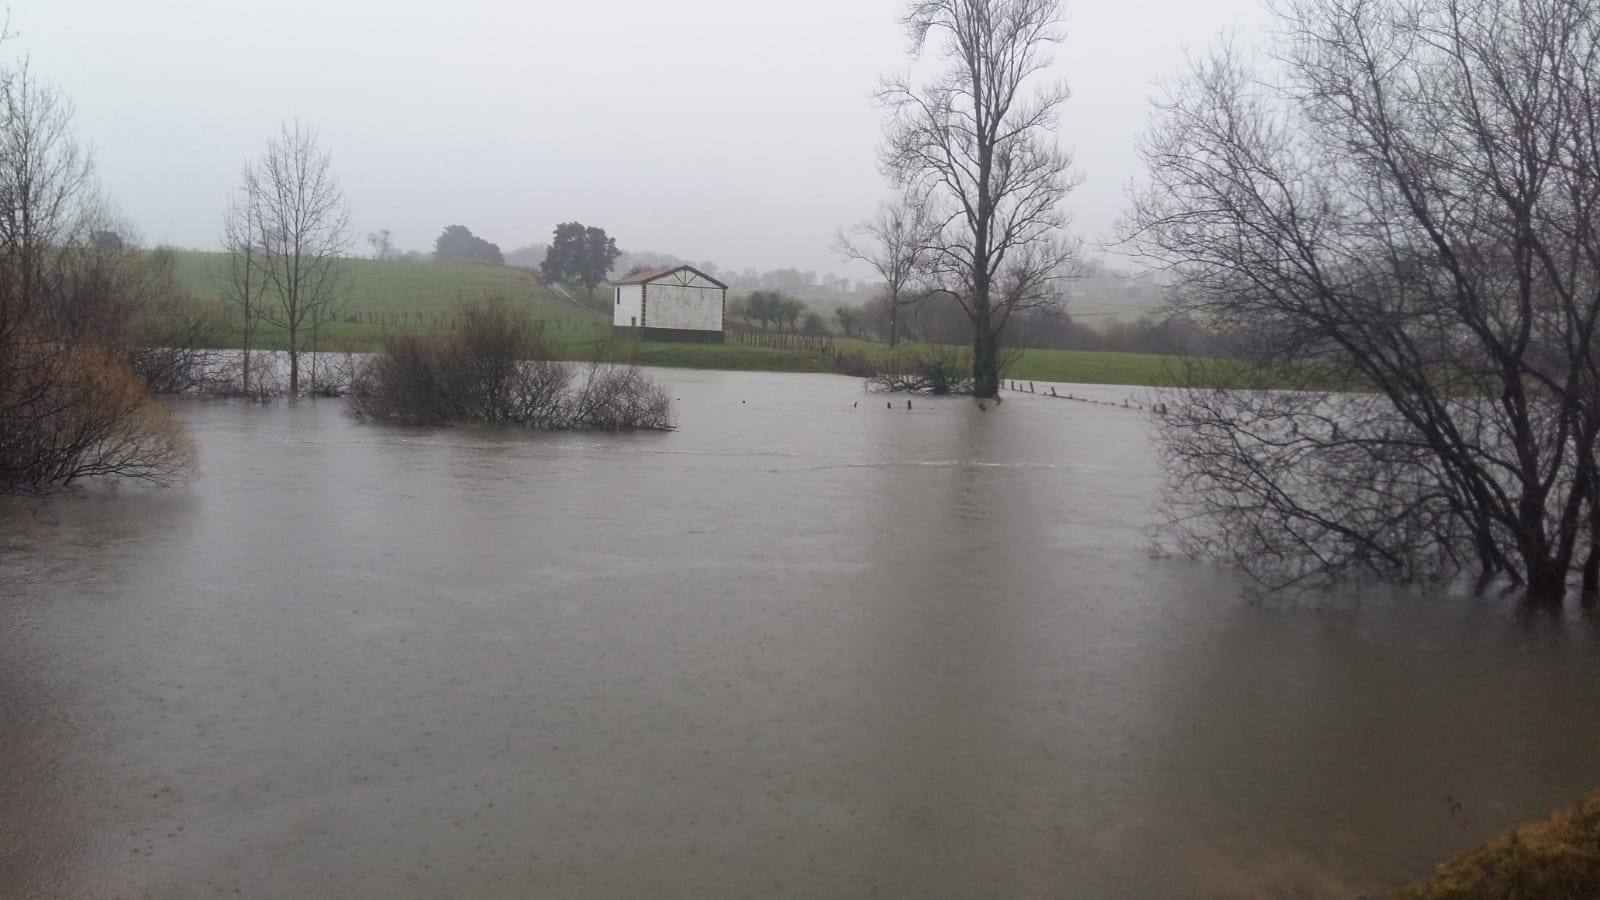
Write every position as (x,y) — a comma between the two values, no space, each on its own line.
(388,297)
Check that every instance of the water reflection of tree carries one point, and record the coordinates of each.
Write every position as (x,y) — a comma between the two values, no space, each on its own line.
(1414,213)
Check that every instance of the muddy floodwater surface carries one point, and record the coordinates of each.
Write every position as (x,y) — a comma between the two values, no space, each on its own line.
(804,646)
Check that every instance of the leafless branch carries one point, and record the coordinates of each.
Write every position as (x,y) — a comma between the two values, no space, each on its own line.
(1410,211)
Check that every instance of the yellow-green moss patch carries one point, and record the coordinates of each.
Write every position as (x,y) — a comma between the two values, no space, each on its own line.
(1558,857)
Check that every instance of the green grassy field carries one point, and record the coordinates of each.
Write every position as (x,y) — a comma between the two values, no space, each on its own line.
(1090,367)
(1072,366)
(735,357)
(386,298)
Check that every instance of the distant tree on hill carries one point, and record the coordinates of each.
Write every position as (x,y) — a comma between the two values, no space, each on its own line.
(790,311)
(760,308)
(772,308)
(458,243)
(636,260)
(877,319)
(528,256)
(814,325)
(580,254)
(382,242)
(849,321)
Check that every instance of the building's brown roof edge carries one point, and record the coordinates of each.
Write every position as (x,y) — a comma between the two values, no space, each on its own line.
(649,275)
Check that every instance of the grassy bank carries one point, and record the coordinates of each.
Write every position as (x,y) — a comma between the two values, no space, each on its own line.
(1072,366)
(734,357)
(387,298)
(1559,857)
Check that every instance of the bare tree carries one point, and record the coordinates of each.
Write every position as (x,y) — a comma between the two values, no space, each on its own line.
(244,278)
(896,243)
(382,242)
(302,232)
(47,195)
(1410,210)
(978,143)
(71,283)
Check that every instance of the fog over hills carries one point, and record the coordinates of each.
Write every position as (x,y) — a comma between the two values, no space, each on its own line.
(720,129)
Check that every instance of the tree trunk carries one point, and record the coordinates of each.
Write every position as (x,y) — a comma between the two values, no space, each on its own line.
(244,371)
(1591,575)
(985,355)
(1591,563)
(294,364)
(316,331)
(1547,583)
(1547,567)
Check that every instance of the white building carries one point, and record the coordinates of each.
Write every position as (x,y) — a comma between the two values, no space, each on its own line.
(678,303)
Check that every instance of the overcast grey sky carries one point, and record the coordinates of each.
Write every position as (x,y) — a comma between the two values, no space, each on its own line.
(739,131)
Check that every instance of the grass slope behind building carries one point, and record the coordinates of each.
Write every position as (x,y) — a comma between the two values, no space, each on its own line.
(381,298)
(387,298)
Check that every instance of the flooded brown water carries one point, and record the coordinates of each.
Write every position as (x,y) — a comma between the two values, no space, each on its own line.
(801,647)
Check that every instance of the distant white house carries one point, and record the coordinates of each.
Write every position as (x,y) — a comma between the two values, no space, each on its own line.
(676,303)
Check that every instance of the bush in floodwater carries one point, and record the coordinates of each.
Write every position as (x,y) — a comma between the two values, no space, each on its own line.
(75,411)
(491,369)
(611,397)
(332,374)
(934,369)
(170,344)
(1559,857)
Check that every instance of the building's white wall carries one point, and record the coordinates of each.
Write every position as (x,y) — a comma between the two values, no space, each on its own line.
(679,306)
(627,304)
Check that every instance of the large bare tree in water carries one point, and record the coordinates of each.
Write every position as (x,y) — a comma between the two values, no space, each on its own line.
(302,235)
(1410,208)
(977,146)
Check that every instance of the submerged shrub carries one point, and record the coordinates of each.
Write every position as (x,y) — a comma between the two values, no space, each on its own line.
(1559,857)
(492,369)
(171,340)
(614,397)
(70,412)
(937,369)
(332,374)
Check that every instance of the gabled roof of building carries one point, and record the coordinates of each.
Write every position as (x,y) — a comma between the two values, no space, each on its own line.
(649,275)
